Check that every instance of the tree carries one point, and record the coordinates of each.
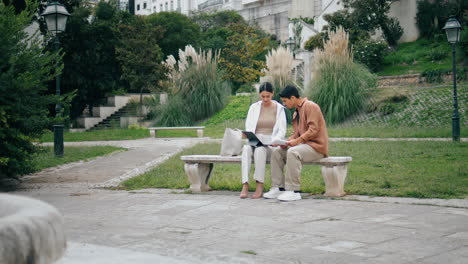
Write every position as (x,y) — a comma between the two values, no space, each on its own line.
(179,31)
(90,64)
(243,57)
(141,56)
(372,14)
(207,21)
(215,29)
(25,68)
(361,18)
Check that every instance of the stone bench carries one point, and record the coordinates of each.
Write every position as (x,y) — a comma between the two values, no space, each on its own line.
(153,130)
(198,169)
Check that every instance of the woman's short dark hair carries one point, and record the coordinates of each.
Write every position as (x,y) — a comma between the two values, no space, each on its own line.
(266,86)
(289,91)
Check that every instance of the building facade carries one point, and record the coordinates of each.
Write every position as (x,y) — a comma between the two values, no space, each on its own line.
(273,15)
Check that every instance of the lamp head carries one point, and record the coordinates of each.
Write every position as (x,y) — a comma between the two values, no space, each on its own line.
(55,16)
(290,43)
(452,29)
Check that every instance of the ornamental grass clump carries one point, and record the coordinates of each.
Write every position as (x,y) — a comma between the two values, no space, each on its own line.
(280,69)
(196,85)
(339,84)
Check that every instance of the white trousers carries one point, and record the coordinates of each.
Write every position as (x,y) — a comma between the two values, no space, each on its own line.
(260,156)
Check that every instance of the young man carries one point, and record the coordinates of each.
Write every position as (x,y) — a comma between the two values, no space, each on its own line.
(308,142)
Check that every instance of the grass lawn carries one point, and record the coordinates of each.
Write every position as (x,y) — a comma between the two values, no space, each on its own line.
(359,131)
(419,56)
(401,169)
(46,159)
(99,135)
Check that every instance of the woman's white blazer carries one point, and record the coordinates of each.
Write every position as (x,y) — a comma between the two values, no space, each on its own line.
(279,129)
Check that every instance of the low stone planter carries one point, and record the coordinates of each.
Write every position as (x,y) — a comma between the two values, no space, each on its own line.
(31,231)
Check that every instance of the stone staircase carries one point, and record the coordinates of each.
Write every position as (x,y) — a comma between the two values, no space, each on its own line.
(122,118)
(114,103)
(115,113)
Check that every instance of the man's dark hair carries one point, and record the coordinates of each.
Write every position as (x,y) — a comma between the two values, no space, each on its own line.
(289,91)
(266,86)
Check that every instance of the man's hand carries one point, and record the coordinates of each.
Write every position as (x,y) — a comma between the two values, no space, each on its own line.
(294,142)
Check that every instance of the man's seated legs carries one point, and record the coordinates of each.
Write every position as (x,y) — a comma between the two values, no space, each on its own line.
(292,158)
(278,161)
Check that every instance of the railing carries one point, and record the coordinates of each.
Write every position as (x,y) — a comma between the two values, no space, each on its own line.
(209,3)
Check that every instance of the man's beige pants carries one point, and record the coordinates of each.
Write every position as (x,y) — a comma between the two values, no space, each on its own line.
(260,155)
(292,158)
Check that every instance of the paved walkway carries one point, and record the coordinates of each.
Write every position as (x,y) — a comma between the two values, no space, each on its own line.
(171,226)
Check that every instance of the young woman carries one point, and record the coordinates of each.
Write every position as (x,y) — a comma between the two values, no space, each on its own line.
(265,117)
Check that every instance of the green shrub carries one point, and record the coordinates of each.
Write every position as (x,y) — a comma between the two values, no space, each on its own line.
(245,88)
(432,15)
(392,31)
(174,113)
(316,41)
(198,90)
(339,90)
(437,54)
(204,91)
(339,82)
(370,53)
(25,69)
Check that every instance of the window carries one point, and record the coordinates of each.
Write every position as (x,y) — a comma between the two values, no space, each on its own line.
(172,5)
(166,6)
(144,5)
(154,9)
(161,8)
(138,7)
(178,3)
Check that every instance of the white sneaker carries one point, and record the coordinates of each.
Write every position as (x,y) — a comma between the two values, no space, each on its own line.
(273,193)
(289,196)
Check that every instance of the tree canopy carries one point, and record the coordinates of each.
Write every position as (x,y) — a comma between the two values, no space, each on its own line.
(179,31)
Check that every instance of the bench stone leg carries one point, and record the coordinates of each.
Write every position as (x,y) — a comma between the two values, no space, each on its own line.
(199,175)
(152,133)
(334,178)
(200,132)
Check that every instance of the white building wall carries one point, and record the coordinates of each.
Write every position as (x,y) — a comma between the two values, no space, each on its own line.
(328,7)
(405,11)
(156,6)
(270,15)
(302,8)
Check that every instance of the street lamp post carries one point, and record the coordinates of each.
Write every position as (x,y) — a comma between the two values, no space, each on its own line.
(452,29)
(290,44)
(56,16)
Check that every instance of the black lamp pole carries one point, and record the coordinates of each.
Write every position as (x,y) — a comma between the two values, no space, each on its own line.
(455,116)
(58,129)
(55,16)
(453,28)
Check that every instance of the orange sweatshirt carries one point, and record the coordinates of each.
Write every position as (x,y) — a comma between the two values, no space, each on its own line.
(310,126)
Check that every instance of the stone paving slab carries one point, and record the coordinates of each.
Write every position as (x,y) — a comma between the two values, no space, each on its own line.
(169,226)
